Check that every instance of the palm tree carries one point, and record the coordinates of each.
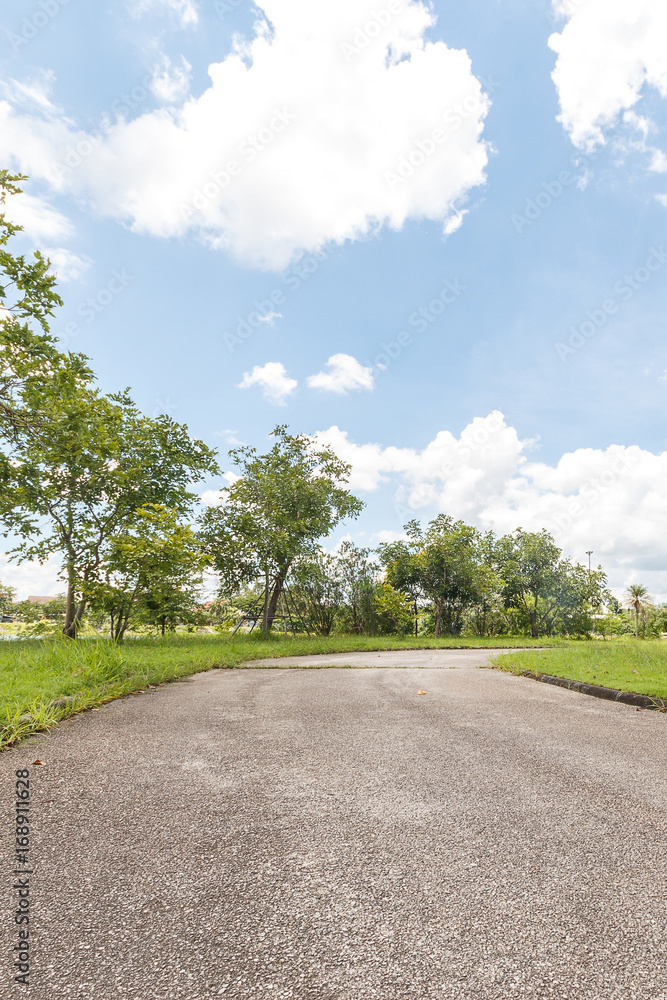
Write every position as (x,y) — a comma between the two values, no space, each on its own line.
(638,598)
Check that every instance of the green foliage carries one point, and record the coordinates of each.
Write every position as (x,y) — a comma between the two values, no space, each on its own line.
(282,504)
(318,589)
(549,593)
(152,572)
(393,611)
(29,359)
(640,601)
(359,576)
(6,599)
(87,476)
(443,566)
(52,611)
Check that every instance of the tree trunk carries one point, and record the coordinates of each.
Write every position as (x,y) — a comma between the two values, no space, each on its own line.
(69,628)
(275,596)
(265,613)
(438,619)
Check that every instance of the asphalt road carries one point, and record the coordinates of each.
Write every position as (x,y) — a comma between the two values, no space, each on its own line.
(335,835)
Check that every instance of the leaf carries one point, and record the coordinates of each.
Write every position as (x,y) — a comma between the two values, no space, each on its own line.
(421,692)
(38,763)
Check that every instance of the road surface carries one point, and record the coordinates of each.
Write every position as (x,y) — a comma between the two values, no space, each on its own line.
(333,834)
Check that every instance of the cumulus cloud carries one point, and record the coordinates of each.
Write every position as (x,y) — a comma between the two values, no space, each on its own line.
(329,123)
(607,52)
(344,374)
(272,378)
(171,81)
(40,221)
(68,266)
(609,500)
(32,579)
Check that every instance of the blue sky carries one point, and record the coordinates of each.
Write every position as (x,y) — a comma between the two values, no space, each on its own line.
(534,247)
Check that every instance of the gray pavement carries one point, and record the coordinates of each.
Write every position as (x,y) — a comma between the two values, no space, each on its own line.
(335,835)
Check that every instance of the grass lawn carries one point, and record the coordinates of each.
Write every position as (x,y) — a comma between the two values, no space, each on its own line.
(35,673)
(627,665)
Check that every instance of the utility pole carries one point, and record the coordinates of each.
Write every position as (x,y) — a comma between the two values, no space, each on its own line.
(589,553)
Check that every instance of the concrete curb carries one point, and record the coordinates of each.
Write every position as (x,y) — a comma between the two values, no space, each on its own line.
(609,694)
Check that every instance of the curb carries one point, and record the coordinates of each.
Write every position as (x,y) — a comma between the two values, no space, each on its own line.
(608,694)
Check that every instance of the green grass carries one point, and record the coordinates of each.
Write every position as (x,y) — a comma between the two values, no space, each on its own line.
(626,665)
(35,673)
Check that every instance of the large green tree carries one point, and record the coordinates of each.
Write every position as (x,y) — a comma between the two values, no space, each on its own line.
(548,592)
(282,504)
(318,589)
(29,357)
(443,565)
(152,572)
(82,480)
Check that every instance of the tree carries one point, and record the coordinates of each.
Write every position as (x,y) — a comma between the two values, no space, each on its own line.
(393,611)
(95,464)
(442,565)
(152,572)
(548,591)
(317,587)
(52,611)
(282,504)
(6,598)
(28,359)
(640,601)
(359,575)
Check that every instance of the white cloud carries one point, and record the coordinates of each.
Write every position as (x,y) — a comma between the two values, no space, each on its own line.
(607,52)
(67,266)
(186,11)
(659,162)
(269,318)
(272,378)
(34,92)
(32,579)
(170,83)
(662,199)
(316,146)
(344,374)
(40,220)
(609,500)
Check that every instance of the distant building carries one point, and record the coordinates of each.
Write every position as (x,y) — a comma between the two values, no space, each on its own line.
(41,600)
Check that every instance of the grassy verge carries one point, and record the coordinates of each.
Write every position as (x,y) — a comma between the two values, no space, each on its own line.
(623,665)
(36,673)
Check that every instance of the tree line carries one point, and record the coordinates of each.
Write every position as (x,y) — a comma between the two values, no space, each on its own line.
(88,478)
